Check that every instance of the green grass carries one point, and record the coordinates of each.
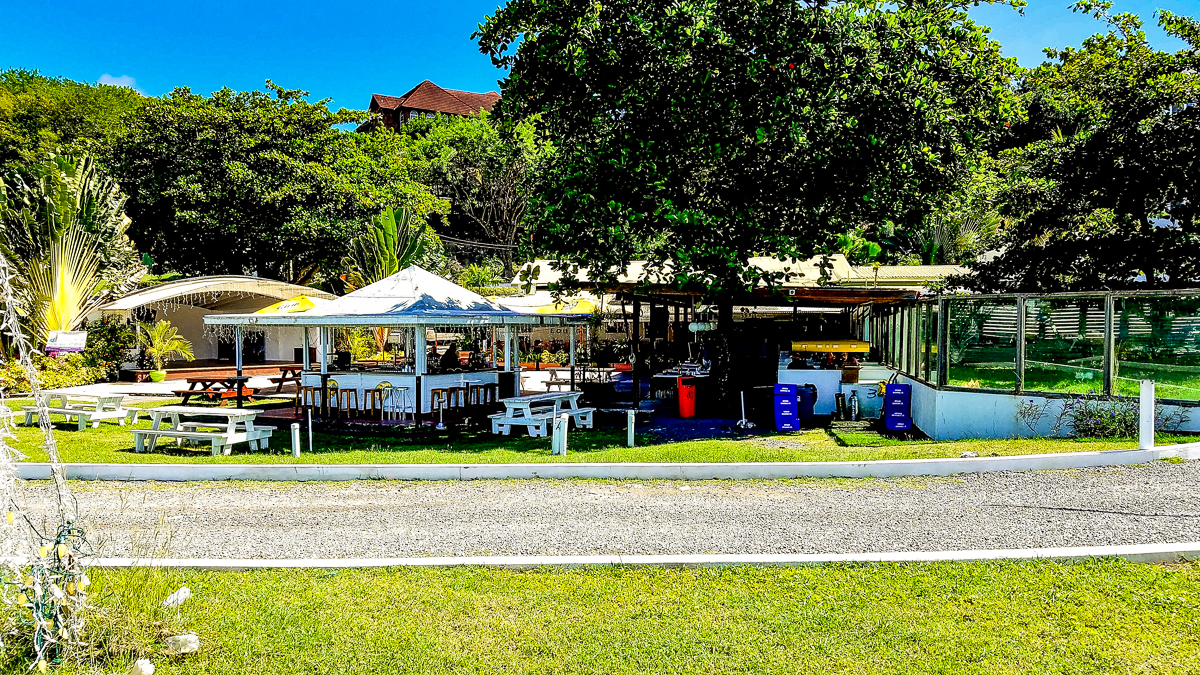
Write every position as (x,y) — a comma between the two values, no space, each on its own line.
(1183,386)
(1101,616)
(844,442)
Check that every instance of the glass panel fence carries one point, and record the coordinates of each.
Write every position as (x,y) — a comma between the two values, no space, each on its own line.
(982,348)
(1064,345)
(1158,339)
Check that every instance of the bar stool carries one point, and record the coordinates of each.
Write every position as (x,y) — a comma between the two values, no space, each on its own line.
(308,397)
(373,402)
(329,399)
(457,396)
(347,402)
(396,402)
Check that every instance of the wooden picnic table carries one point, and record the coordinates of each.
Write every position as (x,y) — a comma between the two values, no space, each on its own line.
(287,374)
(534,411)
(233,425)
(210,386)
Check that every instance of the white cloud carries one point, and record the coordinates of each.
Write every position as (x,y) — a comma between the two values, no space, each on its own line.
(122,81)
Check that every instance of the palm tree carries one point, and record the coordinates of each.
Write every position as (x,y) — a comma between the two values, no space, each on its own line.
(161,341)
(390,243)
(62,226)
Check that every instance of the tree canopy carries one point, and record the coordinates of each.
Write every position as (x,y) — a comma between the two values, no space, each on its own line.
(1102,179)
(696,135)
(256,182)
(486,172)
(39,115)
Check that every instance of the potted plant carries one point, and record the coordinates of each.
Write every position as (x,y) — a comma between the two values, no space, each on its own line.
(162,342)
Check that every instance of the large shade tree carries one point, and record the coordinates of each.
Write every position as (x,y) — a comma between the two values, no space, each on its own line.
(484,170)
(1102,179)
(695,135)
(257,182)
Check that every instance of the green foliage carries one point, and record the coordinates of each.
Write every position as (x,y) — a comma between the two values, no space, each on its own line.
(68,370)
(39,115)
(697,135)
(477,277)
(162,342)
(241,182)
(390,242)
(486,171)
(1108,145)
(108,338)
(64,231)
(856,248)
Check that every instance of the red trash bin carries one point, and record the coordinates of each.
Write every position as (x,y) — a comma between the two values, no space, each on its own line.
(687,396)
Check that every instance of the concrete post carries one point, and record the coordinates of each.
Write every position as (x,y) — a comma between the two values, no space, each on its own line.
(296,439)
(1146,417)
(558,438)
(631,417)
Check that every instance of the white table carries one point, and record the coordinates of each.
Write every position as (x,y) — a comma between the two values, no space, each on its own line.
(235,426)
(87,408)
(520,411)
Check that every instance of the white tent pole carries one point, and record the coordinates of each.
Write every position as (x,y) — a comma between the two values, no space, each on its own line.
(324,351)
(419,354)
(305,359)
(508,359)
(572,330)
(237,349)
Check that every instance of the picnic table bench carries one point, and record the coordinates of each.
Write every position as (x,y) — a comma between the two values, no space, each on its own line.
(236,425)
(87,408)
(536,411)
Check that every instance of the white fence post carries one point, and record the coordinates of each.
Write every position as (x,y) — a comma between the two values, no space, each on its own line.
(558,438)
(1146,420)
(295,439)
(632,417)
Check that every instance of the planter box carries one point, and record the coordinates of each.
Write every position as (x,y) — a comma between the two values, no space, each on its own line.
(135,376)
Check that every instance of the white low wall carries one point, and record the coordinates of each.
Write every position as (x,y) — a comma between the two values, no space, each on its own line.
(953,415)
(895,468)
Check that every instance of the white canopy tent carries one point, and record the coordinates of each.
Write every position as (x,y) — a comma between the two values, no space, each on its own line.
(411,298)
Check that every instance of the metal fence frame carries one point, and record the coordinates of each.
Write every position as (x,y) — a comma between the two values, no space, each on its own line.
(905,336)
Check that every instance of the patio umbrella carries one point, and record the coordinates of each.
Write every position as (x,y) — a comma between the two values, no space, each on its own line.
(300,303)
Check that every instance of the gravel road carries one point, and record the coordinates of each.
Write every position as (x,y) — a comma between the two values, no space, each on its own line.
(1155,503)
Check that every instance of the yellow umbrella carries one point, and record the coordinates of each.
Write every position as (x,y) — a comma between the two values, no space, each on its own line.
(300,303)
(571,307)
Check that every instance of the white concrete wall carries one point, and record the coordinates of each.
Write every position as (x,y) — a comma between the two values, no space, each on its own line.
(952,415)
(190,322)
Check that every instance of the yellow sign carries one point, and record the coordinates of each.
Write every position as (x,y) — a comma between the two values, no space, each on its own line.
(300,303)
(835,346)
(569,307)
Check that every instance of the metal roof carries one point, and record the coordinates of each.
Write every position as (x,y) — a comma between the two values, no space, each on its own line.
(212,292)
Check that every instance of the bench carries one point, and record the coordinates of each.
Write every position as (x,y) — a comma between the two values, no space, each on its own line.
(536,423)
(556,382)
(280,381)
(258,443)
(584,417)
(105,408)
(219,441)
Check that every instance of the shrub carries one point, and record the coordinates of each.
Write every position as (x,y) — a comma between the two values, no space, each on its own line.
(107,340)
(1091,416)
(69,370)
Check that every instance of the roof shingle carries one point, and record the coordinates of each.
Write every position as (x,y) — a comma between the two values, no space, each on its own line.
(429,97)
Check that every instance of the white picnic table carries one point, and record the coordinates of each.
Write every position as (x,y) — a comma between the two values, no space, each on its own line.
(535,411)
(87,408)
(234,425)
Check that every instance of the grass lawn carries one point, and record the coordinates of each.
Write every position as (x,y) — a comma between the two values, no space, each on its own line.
(1101,616)
(843,442)
(1184,386)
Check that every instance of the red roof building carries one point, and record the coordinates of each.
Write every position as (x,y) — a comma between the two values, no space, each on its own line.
(426,99)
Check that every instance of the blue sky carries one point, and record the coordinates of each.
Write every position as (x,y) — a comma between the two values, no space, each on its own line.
(348,51)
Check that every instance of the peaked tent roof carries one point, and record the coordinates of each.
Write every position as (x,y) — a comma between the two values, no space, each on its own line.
(409,297)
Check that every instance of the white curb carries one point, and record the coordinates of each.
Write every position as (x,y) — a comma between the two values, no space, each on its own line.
(1140,553)
(894,468)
